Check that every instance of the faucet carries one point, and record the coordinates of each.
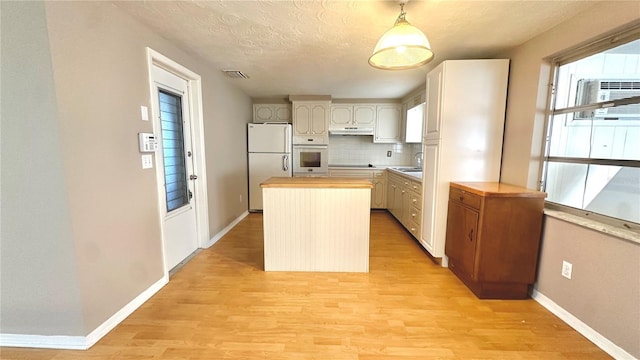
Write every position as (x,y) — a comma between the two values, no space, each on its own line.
(418,156)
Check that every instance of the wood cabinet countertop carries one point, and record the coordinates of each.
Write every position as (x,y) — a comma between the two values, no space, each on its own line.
(496,189)
(317,182)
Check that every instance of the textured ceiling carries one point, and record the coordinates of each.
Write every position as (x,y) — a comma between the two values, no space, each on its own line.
(322,47)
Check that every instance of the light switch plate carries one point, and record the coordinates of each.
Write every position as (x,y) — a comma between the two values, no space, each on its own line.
(147,161)
(144,113)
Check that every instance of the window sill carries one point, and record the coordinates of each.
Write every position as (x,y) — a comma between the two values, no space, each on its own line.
(611,230)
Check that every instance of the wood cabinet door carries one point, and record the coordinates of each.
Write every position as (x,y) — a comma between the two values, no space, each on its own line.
(462,233)
(378,194)
(388,127)
(434,103)
(302,119)
(319,119)
(341,115)
(364,114)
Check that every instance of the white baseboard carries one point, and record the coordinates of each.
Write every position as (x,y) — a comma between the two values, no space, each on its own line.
(82,342)
(595,337)
(224,231)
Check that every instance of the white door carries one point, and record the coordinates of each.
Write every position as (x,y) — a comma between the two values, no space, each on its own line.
(174,162)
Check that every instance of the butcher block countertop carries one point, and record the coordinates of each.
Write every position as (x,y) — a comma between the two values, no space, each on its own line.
(323,182)
(496,189)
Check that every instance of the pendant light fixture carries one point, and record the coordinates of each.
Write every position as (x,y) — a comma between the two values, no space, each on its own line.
(403,46)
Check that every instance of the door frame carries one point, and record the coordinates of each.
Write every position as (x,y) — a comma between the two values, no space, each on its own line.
(194,84)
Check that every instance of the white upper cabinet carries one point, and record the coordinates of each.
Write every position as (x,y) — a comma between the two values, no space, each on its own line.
(344,115)
(364,114)
(271,113)
(388,128)
(310,122)
(341,115)
(434,101)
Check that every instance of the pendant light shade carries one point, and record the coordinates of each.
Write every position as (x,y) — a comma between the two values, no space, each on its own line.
(403,46)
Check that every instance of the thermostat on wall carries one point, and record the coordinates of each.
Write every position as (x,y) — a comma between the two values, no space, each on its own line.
(147,142)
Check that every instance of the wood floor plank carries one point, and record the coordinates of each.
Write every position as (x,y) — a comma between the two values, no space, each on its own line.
(222,305)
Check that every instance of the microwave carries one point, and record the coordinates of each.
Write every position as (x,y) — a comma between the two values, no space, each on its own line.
(310,160)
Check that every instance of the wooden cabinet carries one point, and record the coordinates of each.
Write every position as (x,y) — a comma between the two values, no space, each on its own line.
(463,132)
(376,177)
(493,237)
(343,115)
(388,127)
(310,122)
(271,113)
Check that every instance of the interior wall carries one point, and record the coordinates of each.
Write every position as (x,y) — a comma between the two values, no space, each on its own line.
(589,296)
(90,192)
(605,284)
(39,273)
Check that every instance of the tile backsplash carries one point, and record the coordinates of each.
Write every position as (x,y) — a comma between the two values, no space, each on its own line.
(361,150)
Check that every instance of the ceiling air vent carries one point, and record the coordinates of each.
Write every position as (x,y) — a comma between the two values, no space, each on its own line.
(235,74)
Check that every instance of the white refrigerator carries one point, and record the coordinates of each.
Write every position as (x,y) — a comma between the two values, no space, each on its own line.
(269,147)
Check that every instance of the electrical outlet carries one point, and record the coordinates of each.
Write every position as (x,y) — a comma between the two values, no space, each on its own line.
(240,198)
(567,268)
(389,153)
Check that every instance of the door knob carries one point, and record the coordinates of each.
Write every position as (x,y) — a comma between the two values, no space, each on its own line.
(193,177)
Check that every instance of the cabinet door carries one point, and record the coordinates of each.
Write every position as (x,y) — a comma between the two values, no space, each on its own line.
(301,119)
(429,202)
(462,232)
(378,194)
(263,113)
(388,127)
(319,119)
(390,194)
(364,114)
(282,113)
(341,115)
(434,103)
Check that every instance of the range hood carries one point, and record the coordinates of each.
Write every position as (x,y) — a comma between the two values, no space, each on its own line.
(352,130)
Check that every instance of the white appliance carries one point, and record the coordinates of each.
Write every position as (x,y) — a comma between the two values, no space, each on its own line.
(310,160)
(460,143)
(269,147)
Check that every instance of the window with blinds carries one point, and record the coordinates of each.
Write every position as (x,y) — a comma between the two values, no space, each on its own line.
(592,161)
(175,173)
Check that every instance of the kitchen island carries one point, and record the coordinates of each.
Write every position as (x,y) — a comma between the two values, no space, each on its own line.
(316,224)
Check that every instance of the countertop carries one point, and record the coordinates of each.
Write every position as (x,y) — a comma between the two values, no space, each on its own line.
(415,175)
(317,182)
(497,189)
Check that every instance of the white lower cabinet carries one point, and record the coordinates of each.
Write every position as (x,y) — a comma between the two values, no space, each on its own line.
(377,177)
(404,201)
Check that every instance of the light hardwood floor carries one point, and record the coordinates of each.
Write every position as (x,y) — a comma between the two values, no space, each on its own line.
(222,305)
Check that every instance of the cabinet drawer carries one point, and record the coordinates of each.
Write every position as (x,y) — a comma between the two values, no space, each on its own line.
(416,187)
(416,200)
(465,197)
(415,215)
(379,174)
(414,229)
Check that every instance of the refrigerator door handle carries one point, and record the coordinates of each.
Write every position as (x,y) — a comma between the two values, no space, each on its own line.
(287,138)
(285,162)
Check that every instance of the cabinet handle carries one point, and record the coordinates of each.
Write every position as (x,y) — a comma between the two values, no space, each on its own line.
(461,199)
(471,235)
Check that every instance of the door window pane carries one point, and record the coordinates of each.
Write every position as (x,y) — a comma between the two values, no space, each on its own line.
(175,174)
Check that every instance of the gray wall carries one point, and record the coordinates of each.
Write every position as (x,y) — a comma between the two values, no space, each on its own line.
(602,264)
(39,275)
(111,231)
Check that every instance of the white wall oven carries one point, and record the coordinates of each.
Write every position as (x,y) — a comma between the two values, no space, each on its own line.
(310,160)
